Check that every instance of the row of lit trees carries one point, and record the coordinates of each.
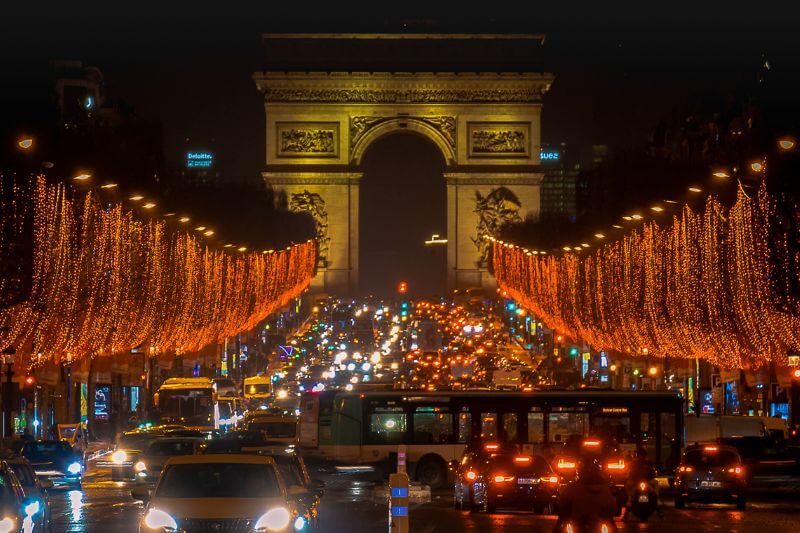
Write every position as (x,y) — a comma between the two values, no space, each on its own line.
(105,282)
(703,283)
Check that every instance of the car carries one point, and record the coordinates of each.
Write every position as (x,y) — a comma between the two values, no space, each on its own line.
(225,492)
(151,462)
(275,427)
(17,512)
(34,489)
(127,452)
(511,480)
(465,470)
(710,473)
(54,460)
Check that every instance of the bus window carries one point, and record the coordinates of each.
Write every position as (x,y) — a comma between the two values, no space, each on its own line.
(510,427)
(488,426)
(566,425)
(615,427)
(535,427)
(431,427)
(464,427)
(387,426)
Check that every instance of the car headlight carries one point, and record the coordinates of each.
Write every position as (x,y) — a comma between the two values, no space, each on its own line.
(32,508)
(7,525)
(156,519)
(119,457)
(74,468)
(140,466)
(274,520)
(299,523)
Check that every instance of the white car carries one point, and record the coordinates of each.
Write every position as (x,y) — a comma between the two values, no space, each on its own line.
(221,493)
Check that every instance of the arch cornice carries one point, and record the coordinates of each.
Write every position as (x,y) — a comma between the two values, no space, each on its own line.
(418,126)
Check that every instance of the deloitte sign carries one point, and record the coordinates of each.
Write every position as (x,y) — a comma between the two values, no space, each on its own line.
(199,159)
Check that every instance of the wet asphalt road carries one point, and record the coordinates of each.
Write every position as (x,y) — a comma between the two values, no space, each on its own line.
(106,506)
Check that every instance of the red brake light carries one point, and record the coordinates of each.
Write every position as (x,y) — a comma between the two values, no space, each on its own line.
(711,449)
(642,486)
(492,447)
(619,465)
(736,470)
(551,479)
(591,443)
(502,479)
(685,469)
(522,459)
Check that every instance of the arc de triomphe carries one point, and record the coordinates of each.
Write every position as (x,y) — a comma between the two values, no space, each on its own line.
(320,121)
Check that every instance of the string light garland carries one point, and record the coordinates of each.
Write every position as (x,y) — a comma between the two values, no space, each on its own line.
(700,285)
(105,282)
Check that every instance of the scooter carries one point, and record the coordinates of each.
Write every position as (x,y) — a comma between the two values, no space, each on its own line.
(644,501)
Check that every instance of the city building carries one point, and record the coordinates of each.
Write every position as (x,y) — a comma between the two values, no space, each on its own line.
(561,167)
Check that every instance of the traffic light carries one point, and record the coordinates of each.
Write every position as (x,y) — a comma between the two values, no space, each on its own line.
(30,381)
(796,373)
(402,287)
(573,351)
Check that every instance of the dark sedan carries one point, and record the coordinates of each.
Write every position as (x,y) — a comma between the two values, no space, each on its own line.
(54,460)
(710,473)
(510,480)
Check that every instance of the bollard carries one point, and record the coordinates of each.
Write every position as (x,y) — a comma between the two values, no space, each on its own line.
(398,502)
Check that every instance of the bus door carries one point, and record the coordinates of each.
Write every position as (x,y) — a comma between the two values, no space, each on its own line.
(616,423)
(566,427)
(309,421)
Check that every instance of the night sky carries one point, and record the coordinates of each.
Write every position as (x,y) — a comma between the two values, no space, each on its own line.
(619,66)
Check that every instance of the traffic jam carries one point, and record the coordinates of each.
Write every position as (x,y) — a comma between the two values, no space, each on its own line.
(450,383)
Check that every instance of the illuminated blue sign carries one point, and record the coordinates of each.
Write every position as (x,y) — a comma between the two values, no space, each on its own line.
(550,155)
(199,159)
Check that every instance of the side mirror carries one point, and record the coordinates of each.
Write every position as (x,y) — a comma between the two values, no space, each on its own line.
(46,484)
(141,493)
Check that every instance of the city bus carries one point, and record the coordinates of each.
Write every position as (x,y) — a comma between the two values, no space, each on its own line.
(189,402)
(365,428)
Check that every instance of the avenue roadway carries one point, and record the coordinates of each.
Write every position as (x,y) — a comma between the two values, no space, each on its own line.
(105,506)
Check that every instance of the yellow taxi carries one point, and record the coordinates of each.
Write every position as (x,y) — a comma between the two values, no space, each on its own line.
(220,493)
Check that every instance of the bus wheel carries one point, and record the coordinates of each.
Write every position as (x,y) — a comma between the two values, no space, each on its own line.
(432,471)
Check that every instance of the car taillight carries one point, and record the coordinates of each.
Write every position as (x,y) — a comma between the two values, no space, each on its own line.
(618,465)
(471,475)
(737,470)
(502,479)
(550,479)
(685,469)
(492,447)
(642,486)
(522,459)
(564,464)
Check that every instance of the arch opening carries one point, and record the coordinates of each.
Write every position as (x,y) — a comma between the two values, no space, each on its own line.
(402,202)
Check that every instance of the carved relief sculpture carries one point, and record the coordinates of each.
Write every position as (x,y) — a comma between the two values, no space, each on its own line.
(446,125)
(499,139)
(375,96)
(313,204)
(495,210)
(308,140)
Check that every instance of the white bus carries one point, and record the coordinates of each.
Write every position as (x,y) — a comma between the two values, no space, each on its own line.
(189,402)
(365,428)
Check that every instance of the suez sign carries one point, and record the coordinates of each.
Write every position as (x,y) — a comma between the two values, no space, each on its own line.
(199,159)
(549,155)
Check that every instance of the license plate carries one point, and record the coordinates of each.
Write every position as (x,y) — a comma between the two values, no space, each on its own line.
(526,481)
(644,498)
(710,484)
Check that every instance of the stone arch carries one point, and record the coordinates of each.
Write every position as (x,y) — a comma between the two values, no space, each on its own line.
(401,124)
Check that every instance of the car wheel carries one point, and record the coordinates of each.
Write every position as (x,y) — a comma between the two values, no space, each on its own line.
(432,471)
(680,503)
(741,503)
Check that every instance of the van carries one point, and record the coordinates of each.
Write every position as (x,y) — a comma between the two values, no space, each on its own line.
(710,428)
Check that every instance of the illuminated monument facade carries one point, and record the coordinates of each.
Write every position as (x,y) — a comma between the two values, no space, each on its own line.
(478,98)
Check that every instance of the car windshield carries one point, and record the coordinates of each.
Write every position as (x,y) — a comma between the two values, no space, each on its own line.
(708,459)
(24,473)
(174,447)
(137,441)
(219,480)
(46,451)
(275,430)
